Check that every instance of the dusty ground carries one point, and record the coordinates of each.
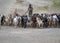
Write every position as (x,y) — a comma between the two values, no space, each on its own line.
(27,35)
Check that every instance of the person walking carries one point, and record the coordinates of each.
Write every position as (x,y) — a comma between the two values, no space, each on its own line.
(24,20)
(30,10)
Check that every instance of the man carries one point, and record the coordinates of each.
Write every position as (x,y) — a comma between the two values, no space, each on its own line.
(33,18)
(24,20)
(2,20)
(10,20)
(45,21)
(30,10)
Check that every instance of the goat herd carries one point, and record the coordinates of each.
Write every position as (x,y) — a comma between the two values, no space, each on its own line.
(34,21)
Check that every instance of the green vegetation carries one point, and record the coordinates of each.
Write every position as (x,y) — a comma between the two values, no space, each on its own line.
(46,7)
(41,7)
(56,3)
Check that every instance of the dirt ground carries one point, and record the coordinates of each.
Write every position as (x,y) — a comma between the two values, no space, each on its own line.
(29,35)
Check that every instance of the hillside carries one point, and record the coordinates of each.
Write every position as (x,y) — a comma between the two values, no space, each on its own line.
(40,6)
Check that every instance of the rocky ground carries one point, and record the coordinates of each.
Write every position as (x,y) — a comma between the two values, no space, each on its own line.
(40,6)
